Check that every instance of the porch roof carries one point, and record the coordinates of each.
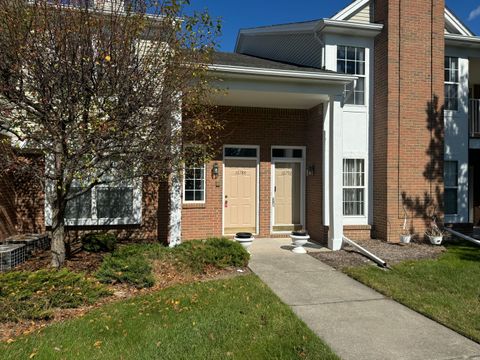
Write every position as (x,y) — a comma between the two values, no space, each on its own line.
(249,81)
(236,59)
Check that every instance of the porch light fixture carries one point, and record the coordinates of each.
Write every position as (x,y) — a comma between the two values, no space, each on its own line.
(311,170)
(215,171)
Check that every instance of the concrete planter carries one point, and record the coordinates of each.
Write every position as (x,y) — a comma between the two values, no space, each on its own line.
(244,239)
(405,239)
(299,240)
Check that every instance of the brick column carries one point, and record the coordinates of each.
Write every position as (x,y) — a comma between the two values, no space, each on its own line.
(408,114)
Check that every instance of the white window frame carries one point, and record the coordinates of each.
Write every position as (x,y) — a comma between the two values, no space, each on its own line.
(363,187)
(94,220)
(204,182)
(360,76)
(453,187)
(449,69)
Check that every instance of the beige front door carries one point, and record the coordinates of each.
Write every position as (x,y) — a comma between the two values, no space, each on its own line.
(240,196)
(287,197)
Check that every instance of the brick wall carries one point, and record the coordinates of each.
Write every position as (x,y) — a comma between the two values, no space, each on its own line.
(266,128)
(408,136)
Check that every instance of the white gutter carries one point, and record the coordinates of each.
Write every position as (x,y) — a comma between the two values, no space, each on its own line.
(462,236)
(306,75)
(462,40)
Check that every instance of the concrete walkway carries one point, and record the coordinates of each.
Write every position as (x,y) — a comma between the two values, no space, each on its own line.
(355,321)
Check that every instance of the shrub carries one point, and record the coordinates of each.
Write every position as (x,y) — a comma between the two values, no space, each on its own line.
(217,252)
(96,242)
(127,265)
(33,295)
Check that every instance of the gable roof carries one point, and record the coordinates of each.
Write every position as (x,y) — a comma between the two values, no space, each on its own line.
(452,23)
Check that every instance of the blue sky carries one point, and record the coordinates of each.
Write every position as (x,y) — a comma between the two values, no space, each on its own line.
(237,14)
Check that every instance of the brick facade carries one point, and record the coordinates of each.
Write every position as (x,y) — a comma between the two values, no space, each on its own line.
(408,121)
(265,128)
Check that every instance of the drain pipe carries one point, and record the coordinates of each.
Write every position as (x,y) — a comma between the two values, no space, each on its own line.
(462,236)
(365,252)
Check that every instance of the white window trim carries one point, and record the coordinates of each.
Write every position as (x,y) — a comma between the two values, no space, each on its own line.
(187,202)
(364,188)
(457,83)
(204,186)
(364,76)
(457,187)
(136,219)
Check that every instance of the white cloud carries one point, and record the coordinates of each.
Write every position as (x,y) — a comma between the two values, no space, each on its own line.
(474,14)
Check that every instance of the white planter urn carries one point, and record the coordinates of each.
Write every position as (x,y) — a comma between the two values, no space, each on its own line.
(405,239)
(299,239)
(436,240)
(244,239)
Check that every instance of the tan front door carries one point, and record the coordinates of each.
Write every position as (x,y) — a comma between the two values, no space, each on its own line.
(240,196)
(287,197)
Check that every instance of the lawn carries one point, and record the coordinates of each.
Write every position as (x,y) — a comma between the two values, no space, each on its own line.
(238,318)
(446,290)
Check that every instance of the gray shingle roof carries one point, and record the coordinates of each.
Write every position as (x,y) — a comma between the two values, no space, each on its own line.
(235,59)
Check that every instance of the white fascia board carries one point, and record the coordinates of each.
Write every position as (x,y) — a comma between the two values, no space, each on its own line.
(453,21)
(350,10)
(350,28)
(462,41)
(300,75)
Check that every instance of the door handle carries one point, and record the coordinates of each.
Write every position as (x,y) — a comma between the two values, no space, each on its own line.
(273,201)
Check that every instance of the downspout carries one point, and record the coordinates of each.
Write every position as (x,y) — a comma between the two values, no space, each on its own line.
(462,236)
(365,252)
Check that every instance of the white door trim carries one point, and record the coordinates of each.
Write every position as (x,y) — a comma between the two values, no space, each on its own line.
(257,205)
(301,161)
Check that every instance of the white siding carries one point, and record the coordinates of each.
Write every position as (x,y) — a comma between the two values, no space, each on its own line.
(362,16)
(457,139)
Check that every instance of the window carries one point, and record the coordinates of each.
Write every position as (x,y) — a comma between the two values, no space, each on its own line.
(108,204)
(451,187)
(451,83)
(351,60)
(353,187)
(287,153)
(194,178)
(241,152)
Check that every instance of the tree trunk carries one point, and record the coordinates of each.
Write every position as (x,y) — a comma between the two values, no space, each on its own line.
(58,242)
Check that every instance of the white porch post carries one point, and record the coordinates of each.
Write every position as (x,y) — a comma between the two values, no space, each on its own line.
(335,233)
(175,180)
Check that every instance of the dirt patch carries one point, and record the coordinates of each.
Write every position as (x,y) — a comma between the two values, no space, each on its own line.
(81,261)
(391,253)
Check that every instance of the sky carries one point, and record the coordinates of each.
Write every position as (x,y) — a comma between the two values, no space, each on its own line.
(238,14)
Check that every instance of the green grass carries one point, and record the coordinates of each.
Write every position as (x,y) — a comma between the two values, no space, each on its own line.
(446,290)
(34,295)
(238,318)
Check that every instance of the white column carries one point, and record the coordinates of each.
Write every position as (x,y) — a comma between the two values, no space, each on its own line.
(175,181)
(326,163)
(335,233)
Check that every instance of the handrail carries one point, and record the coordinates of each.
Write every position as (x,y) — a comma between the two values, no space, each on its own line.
(474,115)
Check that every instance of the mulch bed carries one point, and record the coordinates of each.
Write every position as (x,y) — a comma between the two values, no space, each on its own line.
(81,261)
(388,252)
(166,275)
